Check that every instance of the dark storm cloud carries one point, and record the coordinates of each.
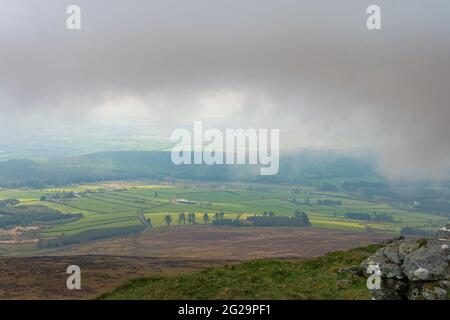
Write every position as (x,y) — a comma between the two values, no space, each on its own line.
(309,67)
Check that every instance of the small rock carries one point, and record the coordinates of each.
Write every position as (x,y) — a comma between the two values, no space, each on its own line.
(441,294)
(344,283)
(377,259)
(389,241)
(406,247)
(436,294)
(428,295)
(444,284)
(391,252)
(444,233)
(421,274)
(391,270)
(355,270)
(431,257)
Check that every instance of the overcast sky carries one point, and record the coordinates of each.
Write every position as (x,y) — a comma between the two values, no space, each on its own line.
(310,68)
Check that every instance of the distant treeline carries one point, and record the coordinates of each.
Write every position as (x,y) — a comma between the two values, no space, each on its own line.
(302,168)
(9,202)
(410,231)
(382,217)
(259,221)
(26,215)
(425,197)
(438,206)
(329,202)
(89,235)
(325,170)
(361,186)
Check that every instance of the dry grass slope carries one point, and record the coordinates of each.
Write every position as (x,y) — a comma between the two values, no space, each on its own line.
(316,278)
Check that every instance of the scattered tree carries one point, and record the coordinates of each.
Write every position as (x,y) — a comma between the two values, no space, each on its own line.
(168,219)
(302,216)
(191,218)
(181,218)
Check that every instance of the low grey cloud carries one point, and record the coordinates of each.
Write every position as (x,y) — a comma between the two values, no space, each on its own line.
(311,68)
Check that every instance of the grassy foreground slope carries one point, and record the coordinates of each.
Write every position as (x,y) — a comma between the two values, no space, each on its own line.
(317,278)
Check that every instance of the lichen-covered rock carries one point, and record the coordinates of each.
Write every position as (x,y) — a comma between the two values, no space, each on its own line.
(426,291)
(412,269)
(421,274)
(391,289)
(439,293)
(444,233)
(427,263)
(406,247)
(392,270)
(391,252)
(444,284)
(377,259)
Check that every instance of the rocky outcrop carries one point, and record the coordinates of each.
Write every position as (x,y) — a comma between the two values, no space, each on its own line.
(411,269)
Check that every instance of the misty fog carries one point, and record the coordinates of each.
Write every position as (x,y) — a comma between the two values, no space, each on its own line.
(310,68)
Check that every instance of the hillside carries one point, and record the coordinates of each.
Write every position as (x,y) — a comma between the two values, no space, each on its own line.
(45,277)
(317,278)
(312,167)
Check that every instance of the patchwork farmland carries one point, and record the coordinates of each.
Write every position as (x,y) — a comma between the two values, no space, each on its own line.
(120,208)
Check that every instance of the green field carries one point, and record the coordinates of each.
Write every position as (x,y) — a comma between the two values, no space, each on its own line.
(116,205)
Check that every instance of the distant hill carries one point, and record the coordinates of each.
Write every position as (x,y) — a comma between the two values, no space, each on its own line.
(310,167)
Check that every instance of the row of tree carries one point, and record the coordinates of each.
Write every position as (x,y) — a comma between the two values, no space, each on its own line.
(191,218)
(183,218)
(268,217)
